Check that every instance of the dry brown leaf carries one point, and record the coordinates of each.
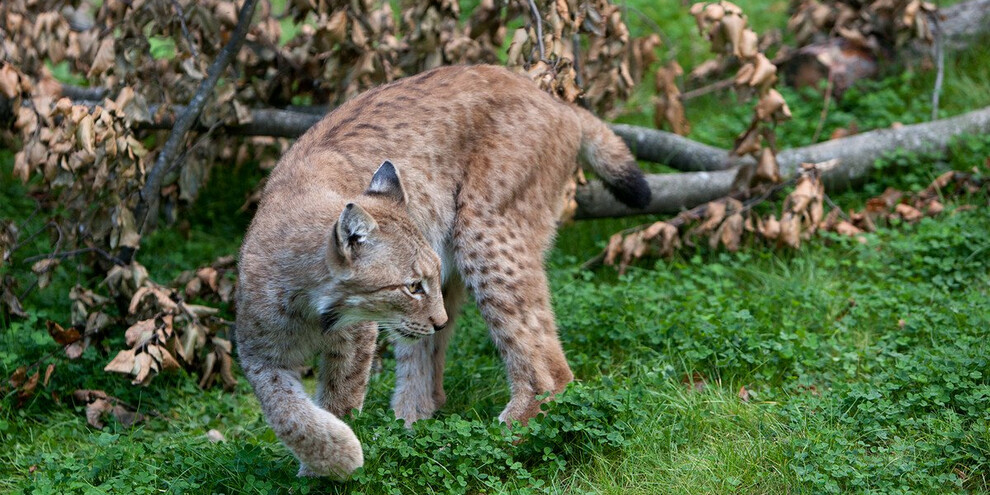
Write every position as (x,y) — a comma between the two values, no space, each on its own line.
(730,232)
(10,86)
(209,276)
(748,46)
(732,28)
(790,230)
(764,73)
(939,183)
(105,58)
(43,269)
(769,228)
(18,377)
(805,191)
(767,169)
(208,370)
(613,249)
(908,212)
(226,371)
(62,336)
(748,142)
(934,207)
(772,107)
(122,363)
(76,349)
(714,214)
(95,411)
(144,364)
(139,333)
(847,229)
(48,374)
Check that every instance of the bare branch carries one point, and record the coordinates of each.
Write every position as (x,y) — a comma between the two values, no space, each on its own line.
(713,170)
(939,63)
(856,156)
(828,100)
(185,29)
(676,151)
(68,254)
(146,212)
(539,27)
(710,88)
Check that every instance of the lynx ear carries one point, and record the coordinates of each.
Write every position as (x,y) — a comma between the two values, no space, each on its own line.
(352,230)
(386,183)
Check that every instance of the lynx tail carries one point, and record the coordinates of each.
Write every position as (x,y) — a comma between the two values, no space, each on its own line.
(609,157)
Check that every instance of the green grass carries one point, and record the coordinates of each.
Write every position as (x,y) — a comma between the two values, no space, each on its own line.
(867,365)
(844,399)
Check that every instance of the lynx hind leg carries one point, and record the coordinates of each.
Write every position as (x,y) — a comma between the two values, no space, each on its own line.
(324,445)
(344,368)
(505,272)
(419,364)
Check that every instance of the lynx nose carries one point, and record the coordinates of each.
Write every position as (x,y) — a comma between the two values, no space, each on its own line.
(437,326)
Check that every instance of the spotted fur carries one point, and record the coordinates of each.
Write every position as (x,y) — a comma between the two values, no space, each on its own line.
(477,162)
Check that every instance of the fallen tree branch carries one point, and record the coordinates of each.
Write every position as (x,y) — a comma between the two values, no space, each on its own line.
(676,151)
(856,154)
(147,209)
(676,192)
(962,22)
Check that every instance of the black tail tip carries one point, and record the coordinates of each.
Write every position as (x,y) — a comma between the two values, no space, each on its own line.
(631,189)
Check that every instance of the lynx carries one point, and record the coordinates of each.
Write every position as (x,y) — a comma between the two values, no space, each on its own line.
(381,217)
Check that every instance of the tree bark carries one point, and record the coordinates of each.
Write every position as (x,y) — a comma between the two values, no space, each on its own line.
(856,154)
(146,212)
(675,192)
(676,151)
(963,21)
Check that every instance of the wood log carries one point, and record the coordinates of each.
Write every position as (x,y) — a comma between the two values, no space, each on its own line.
(856,154)
(678,191)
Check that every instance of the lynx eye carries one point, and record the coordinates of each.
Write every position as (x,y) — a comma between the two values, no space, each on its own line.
(415,288)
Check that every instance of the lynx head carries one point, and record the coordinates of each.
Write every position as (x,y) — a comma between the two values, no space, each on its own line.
(387,270)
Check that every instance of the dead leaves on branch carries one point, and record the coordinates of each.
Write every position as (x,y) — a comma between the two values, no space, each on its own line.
(871,24)
(610,66)
(166,332)
(730,223)
(726,27)
(81,154)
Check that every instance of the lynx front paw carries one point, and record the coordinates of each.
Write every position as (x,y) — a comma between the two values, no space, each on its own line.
(412,408)
(337,456)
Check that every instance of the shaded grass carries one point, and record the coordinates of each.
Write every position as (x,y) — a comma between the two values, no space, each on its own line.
(832,406)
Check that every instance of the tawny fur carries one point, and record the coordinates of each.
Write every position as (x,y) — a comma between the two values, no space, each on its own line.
(482,159)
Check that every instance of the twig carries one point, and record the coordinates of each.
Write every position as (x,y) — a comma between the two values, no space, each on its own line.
(671,51)
(539,27)
(696,213)
(31,237)
(836,207)
(710,88)
(147,209)
(828,99)
(576,48)
(940,64)
(185,29)
(68,254)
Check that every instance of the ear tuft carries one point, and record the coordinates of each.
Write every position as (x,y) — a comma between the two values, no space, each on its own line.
(352,229)
(386,183)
